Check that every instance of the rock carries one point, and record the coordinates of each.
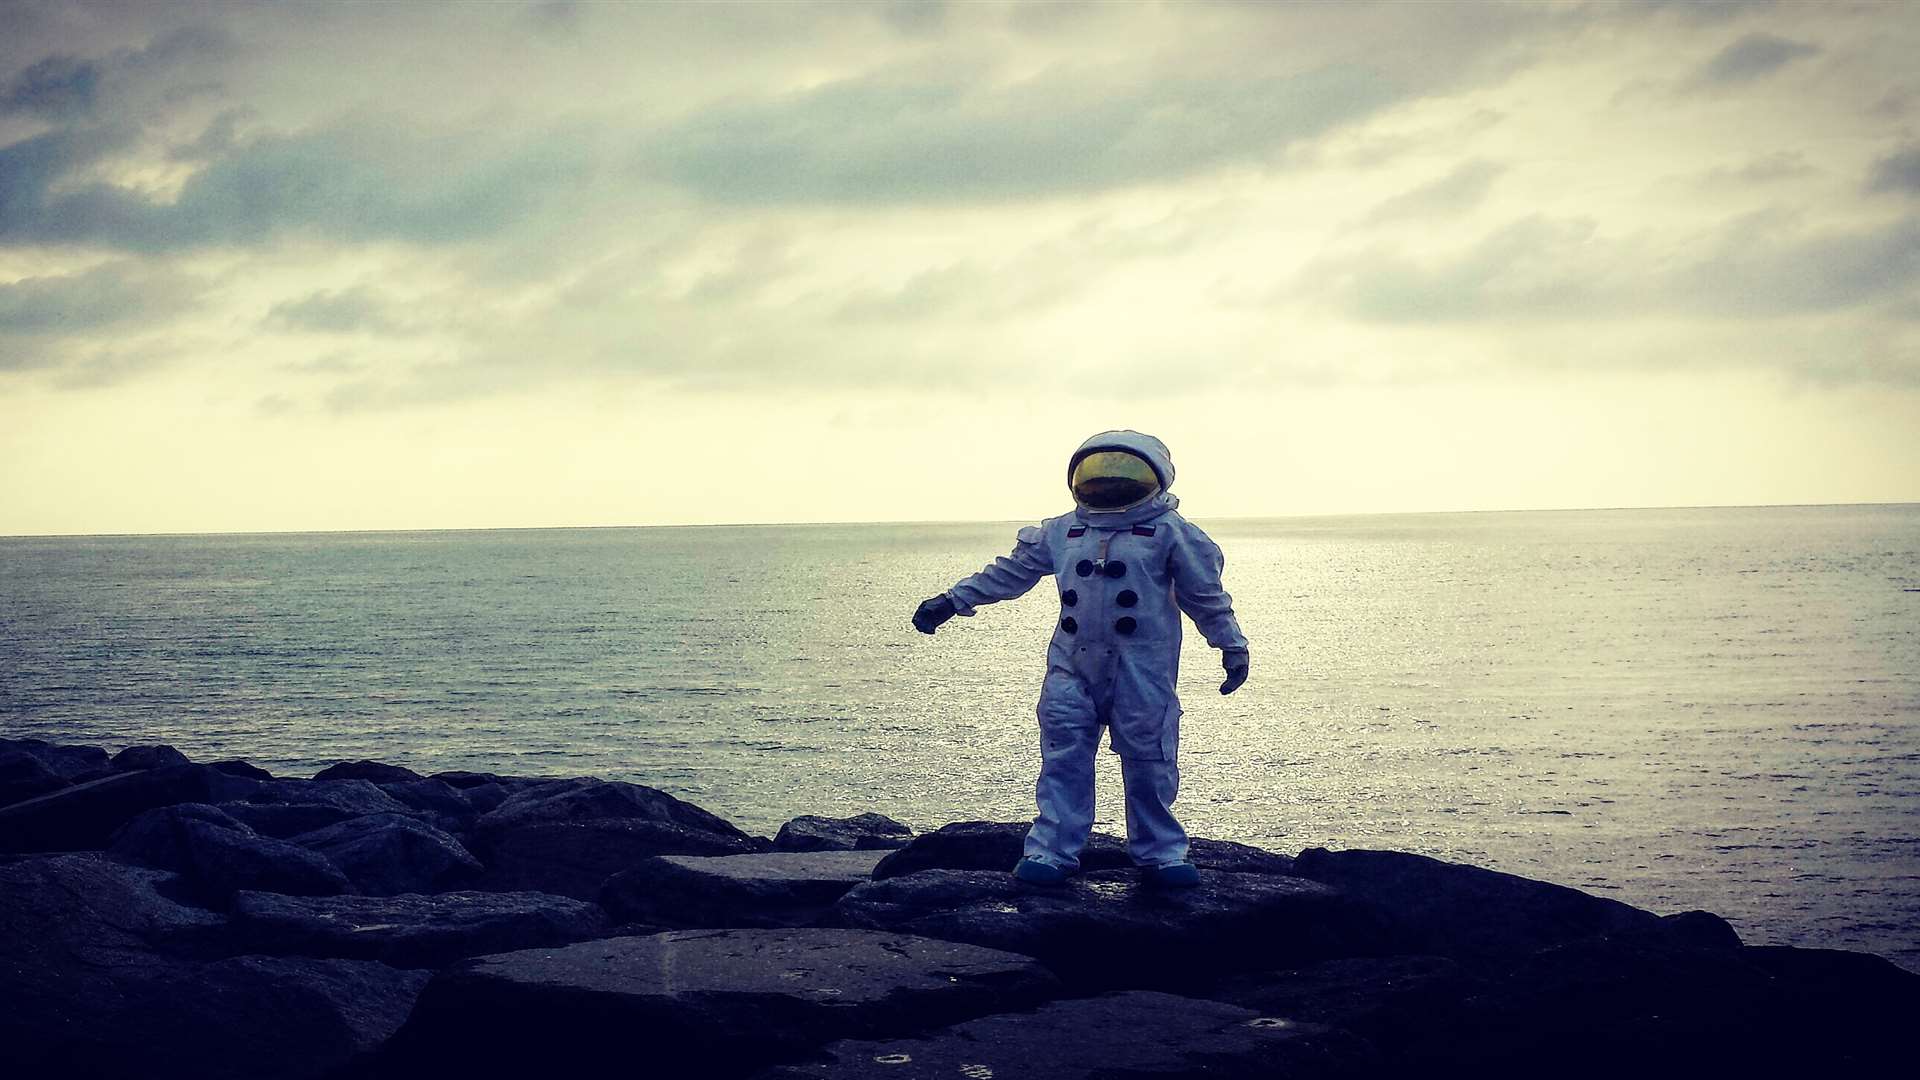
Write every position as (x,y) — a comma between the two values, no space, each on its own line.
(462,778)
(708,1003)
(156,756)
(451,808)
(587,799)
(24,776)
(99,978)
(376,771)
(85,816)
(989,845)
(216,855)
(285,820)
(411,930)
(75,764)
(1107,930)
(864,832)
(387,854)
(1451,909)
(1700,930)
(66,915)
(1386,1000)
(237,767)
(1137,1034)
(354,798)
(575,860)
(997,845)
(1232,858)
(768,889)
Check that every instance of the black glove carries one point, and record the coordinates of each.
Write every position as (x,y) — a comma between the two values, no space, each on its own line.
(1235,661)
(932,613)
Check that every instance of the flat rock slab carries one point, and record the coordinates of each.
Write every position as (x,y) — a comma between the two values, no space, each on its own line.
(412,930)
(782,888)
(997,845)
(708,1003)
(1108,930)
(1452,909)
(1136,1034)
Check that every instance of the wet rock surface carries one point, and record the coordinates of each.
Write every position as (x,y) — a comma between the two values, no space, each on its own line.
(779,888)
(414,930)
(1451,909)
(1107,929)
(151,924)
(702,1002)
(862,832)
(1133,1034)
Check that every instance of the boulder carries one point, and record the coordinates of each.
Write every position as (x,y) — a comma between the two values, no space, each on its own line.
(1108,930)
(587,799)
(1699,929)
(989,845)
(997,845)
(154,756)
(780,888)
(76,764)
(284,820)
(1452,909)
(411,930)
(24,776)
(1387,1001)
(376,771)
(388,854)
(65,916)
(86,815)
(698,1002)
(576,859)
(451,808)
(863,832)
(244,769)
(216,855)
(355,798)
(1136,1034)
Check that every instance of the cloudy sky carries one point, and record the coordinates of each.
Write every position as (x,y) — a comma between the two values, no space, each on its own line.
(334,266)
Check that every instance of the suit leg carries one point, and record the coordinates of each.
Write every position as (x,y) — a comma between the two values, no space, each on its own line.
(1069,737)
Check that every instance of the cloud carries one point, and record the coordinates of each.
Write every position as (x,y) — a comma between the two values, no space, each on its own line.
(882,141)
(1764,169)
(1560,269)
(65,87)
(349,182)
(57,87)
(1898,172)
(1752,57)
(1457,192)
(113,295)
(358,310)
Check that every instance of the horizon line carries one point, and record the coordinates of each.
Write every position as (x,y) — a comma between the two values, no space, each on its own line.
(933,521)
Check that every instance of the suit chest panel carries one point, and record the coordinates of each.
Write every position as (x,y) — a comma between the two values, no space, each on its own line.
(1137,555)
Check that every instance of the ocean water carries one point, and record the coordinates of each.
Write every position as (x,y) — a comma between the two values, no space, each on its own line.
(1711,708)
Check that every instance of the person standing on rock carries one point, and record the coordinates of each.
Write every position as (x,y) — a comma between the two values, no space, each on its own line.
(1127,564)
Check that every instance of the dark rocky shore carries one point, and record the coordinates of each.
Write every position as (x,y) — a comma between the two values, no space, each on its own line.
(165,918)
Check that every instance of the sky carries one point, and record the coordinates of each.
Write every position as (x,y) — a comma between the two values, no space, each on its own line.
(302,266)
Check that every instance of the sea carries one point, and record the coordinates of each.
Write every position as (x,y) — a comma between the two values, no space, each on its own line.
(1680,708)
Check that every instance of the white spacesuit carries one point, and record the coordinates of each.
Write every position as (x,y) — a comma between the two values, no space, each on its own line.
(1127,564)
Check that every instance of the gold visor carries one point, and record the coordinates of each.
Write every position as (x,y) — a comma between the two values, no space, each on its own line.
(1113,480)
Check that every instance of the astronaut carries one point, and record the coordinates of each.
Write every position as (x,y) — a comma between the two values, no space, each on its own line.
(1127,564)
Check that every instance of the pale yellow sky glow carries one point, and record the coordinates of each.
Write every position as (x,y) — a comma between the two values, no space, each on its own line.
(276,266)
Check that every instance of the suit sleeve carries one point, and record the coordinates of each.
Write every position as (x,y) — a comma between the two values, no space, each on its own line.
(1007,576)
(1196,563)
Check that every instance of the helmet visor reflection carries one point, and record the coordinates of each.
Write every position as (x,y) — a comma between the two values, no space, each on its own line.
(1113,480)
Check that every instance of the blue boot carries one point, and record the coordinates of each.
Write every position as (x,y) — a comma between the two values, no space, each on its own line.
(1035,872)
(1180,875)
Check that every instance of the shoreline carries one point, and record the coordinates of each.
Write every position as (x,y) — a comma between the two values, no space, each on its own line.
(370,921)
